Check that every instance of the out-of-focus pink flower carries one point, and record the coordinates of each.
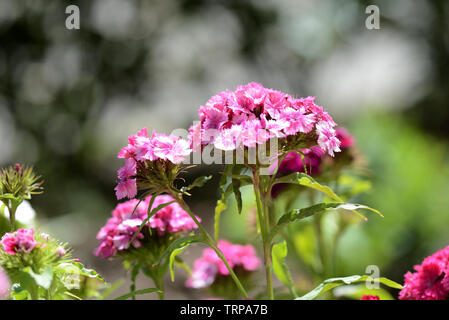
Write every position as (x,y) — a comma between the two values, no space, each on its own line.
(4,285)
(369,297)
(347,140)
(253,114)
(431,279)
(20,241)
(60,251)
(210,265)
(127,218)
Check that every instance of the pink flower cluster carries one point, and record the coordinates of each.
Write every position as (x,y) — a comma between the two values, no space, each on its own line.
(4,284)
(210,265)
(121,227)
(431,279)
(369,297)
(253,114)
(142,148)
(18,242)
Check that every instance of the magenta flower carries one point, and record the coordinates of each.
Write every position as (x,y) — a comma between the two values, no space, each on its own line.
(347,140)
(21,241)
(141,148)
(210,265)
(252,115)
(369,297)
(121,227)
(4,285)
(431,279)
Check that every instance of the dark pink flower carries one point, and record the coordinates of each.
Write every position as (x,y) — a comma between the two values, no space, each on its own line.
(21,241)
(347,140)
(431,279)
(369,297)
(127,218)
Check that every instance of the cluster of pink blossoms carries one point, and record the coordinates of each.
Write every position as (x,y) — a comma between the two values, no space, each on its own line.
(121,227)
(210,265)
(142,148)
(21,241)
(253,114)
(431,279)
(369,297)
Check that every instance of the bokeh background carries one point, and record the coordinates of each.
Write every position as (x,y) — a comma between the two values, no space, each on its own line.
(70,98)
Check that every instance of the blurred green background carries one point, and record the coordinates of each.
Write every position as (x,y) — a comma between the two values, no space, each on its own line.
(70,98)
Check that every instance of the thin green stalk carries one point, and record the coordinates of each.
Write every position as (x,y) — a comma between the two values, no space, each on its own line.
(210,241)
(12,217)
(160,285)
(264,223)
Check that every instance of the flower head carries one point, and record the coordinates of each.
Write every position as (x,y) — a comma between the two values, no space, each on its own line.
(20,241)
(369,297)
(158,156)
(209,266)
(127,218)
(252,114)
(430,281)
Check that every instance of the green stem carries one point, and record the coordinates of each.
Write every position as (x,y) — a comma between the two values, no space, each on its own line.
(264,222)
(210,241)
(160,285)
(12,217)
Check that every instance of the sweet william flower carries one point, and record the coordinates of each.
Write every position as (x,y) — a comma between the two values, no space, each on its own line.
(369,297)
(126,188)
(125,222)
(209,266)
(430,281)
(252,115)
(154,160)
(20,241)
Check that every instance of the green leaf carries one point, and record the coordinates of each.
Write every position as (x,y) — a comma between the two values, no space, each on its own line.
(335,282)
(307,181)
(197,183)
(43,279)
(299,214)
(181,243)
(19,293)
(221,203)
(356,291)
(279,254)
(236,187)
(137,292)
(173,255)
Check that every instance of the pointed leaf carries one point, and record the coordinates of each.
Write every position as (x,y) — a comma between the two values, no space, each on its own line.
(173,255)
(197,183)
(180,243)
(307,181)
(279,254)
(137,292)
(335,282)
